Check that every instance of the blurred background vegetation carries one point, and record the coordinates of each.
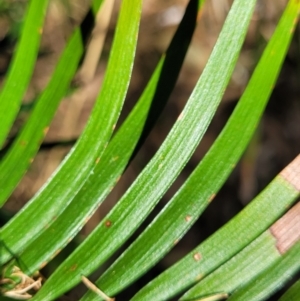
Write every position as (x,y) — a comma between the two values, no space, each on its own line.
(275,144)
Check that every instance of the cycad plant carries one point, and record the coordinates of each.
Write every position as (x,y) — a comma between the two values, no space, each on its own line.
(249,258)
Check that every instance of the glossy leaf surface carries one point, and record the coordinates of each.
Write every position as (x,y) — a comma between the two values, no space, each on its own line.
(166,164)
(72,173)
(182,211)
(117,154)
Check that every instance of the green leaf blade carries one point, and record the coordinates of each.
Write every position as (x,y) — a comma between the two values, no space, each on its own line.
(73,172)
(118,152)
(241,268)
(229,240)
(195,195)
(251,262)
(266,281)
(145,192)
(96,188)
(271,279)
(19,74)
(16,161)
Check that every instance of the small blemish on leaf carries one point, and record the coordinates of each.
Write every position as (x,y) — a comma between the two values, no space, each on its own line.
(197,256)
(211,197)
(97,160)
(188,218)
(45,131)
(108,223)
(73,267)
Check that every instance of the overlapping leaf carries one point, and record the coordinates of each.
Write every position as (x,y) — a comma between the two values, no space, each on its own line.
(124,219)
(165,166)
(272,279)
(18,158)
(260,256)
(230,239)
(54,197)
(182,211)
(117,154)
